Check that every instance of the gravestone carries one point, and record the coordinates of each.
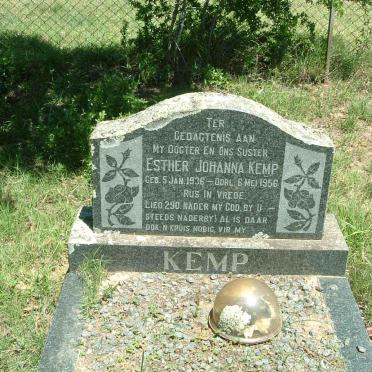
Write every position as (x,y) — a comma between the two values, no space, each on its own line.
(210,183)
(208,164)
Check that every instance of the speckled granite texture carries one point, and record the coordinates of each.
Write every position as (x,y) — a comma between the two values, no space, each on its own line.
(131,252)
(210,164)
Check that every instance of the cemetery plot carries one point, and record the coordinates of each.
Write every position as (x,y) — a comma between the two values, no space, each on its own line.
(162,319)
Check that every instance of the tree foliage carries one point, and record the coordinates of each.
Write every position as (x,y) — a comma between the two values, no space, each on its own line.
(180,41)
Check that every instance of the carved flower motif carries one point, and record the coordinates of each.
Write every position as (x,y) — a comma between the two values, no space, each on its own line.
(121,194)
(300,198)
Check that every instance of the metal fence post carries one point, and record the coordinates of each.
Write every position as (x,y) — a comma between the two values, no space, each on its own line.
(331,20)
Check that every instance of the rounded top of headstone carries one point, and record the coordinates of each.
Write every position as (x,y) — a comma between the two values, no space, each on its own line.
(162,113)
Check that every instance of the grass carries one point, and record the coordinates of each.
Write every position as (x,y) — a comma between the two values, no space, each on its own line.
(37,208)
(350,201)
(51,98)
(92,271)
(68,24)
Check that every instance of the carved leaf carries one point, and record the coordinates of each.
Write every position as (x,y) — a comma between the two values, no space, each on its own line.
(130,172)
(294,179)
(126,155)
(313,168)
(288,194)
(123,209)
(110,222)
(311,202)
(296,215)
(306,203)
(134,191)
(313,183)
(298,161)
(111,161)
(295,226)
(304,194)
(110,175)
(124,220)
(307,226)
(119,194)
(109,197)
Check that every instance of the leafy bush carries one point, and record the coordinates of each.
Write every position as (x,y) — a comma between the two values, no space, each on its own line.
(114,96)
(180,42)
(304,61)
(50,99)
(215,77)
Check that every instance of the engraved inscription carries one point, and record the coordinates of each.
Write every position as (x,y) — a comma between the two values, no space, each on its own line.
(204,262)
(216,172)
(212,176)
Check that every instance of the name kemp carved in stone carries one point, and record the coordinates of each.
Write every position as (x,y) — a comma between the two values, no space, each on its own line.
(204,262)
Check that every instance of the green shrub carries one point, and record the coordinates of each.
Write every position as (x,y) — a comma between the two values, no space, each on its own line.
(215,77)
(179,42)
(114,96)
(50,99)
(304,61)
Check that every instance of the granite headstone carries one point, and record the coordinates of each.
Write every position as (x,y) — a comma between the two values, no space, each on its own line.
(210,164)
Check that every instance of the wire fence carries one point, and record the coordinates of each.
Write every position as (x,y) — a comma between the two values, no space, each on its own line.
(81,23)
(351,27)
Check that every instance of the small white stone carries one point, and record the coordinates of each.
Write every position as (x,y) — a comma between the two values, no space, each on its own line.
(361,349)
(327,352)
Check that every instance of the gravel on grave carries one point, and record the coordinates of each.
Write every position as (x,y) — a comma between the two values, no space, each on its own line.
(159,322)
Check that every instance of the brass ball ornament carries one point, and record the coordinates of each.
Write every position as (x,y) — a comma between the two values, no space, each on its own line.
(246,311)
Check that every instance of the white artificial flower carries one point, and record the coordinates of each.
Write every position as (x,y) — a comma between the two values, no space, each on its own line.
(233,319)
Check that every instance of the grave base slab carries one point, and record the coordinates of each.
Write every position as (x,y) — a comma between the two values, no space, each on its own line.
(64,348)
(149,253)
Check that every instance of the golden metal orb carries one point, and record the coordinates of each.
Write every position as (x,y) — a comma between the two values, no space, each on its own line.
(247,311)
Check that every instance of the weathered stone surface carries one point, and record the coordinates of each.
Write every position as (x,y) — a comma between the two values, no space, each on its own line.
(133,252)
(61,347)
(349,325)
(207,164)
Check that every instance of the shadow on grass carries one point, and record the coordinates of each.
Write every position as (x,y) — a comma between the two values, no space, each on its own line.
(51,98)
